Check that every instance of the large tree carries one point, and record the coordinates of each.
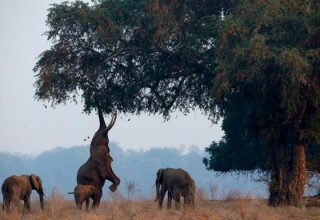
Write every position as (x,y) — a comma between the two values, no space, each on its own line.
(142,55)
(257,59)
(268,57)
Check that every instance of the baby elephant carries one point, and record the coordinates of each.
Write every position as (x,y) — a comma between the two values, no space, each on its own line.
(83,193)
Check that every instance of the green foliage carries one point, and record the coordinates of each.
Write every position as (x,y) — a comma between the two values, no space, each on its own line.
(239,149)
(313,161)
(153,56)
(263,59)
(267,84)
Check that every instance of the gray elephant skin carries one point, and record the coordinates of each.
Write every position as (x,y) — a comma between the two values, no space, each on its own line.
(16,188)
(177,182)
(98,168)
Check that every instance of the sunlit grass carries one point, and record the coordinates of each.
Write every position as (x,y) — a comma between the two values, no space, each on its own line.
(234,206)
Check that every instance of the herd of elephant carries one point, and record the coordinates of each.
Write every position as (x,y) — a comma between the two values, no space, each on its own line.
(92,175)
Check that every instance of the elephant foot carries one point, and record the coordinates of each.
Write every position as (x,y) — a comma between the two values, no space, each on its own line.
(113,188)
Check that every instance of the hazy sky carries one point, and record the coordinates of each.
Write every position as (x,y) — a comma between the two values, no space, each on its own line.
(26,126)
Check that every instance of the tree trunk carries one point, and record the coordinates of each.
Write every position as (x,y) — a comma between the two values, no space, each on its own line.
(288,175)
(297,178)
(276,185)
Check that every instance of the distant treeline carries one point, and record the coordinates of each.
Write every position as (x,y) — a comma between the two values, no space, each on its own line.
(58,169)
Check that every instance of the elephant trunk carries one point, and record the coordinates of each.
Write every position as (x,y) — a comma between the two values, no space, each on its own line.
(41,201)
(157,190)
(41,195)
(158,182)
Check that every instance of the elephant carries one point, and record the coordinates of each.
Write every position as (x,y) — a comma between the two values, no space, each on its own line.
(83,193)
(98,168)
(16,188)
(177,182)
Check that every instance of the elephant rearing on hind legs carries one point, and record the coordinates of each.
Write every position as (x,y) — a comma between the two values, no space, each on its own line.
(177,182)
(98,168)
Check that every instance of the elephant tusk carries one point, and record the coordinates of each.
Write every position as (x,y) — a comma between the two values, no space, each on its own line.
(113,119)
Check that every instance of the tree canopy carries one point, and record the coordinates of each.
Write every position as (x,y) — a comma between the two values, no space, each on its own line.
(268,72)
(254,63)
(143,55)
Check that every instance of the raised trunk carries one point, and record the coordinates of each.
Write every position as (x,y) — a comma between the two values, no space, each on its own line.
(288,175)
(101,119)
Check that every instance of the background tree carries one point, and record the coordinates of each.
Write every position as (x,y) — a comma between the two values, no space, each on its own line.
(239,149)
(268,57)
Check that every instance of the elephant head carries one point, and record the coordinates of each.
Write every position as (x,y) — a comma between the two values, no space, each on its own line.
(36,184)
(158,182)
(16,188)
(100,138)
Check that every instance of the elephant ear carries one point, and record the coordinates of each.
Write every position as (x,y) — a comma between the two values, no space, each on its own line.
(92,190)
(36,183)
(159,175)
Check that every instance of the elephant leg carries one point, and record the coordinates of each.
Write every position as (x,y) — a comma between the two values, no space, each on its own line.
(79,205)
(161,197)
(169,202)
(97,198)
(26,205)
(6,206)
(177,200)
(15,203)
(87,204)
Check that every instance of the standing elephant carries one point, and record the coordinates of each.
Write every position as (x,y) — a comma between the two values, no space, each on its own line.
(83,193)
(177,182)
(98,168)
(16,188)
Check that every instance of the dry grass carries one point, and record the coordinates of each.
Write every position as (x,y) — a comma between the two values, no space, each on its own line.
(235,206)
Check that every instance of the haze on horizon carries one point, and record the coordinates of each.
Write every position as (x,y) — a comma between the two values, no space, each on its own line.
(27,126)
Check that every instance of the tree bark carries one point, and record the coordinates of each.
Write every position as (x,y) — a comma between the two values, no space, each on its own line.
(276,185)
(298,176)
(288,175)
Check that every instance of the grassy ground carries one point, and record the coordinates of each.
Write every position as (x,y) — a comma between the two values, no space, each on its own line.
(233,208)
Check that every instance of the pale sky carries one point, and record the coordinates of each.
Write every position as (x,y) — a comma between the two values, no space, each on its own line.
(26,126)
